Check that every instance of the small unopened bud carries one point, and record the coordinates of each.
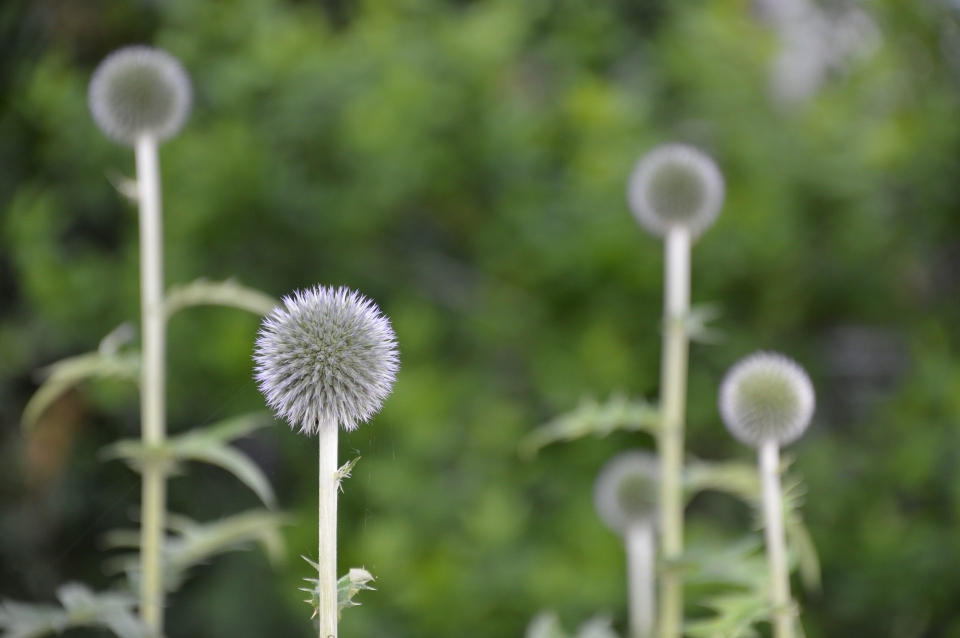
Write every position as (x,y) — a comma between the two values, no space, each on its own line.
(326,356)
(138,91)
(676,186)
(765,397)
(626,490)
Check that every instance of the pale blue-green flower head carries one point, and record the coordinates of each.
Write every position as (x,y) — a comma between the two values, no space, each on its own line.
(326,357)
(626,490)
(676,186)
(766,397)
(137,91)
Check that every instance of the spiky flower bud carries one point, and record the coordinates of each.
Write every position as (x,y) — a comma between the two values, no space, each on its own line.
(766,396)
(676,185)
(626,490)
(327,356)
(140,90)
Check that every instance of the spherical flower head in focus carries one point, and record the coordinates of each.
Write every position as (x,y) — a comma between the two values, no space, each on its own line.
(326,357)
(766,396)
(138,91)
(676,185)
(626,491)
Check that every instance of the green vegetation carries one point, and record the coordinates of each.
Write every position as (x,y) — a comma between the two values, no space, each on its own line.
(464,164)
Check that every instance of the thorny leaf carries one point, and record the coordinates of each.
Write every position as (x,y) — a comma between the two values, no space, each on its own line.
(81,607)
(349,585)
(192,543)
(213,293)
(592,417)
(344,472)
(108,362)
(207,445)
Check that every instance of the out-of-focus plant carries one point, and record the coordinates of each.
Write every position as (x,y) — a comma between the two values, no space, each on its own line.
(676,191)
(140,96)
(327,359)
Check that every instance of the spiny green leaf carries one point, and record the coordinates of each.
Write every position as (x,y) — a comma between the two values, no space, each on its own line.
(207,445)
(735,616)
(592,417)
(740,480)
(81,607)
(107,363)
(348,586)
(212,293)
(192,543)
(344,472)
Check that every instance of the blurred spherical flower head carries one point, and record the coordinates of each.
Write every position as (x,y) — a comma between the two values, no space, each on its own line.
(626,490)
(766,396)
(138,91)
(676,185)
(326,356)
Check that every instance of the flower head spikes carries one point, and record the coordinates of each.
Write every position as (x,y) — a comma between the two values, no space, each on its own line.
(676,185)
(766,396)
(327,356)
(140,90)
(626,490)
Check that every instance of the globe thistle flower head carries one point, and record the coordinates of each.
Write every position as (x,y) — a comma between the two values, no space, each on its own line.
(139,90)
(766,396)
(626,490)
(676,185)
(326,357)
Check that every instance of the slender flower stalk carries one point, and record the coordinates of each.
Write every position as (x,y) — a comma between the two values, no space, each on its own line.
(767,400)
(625,495)
(675,192)
(326,359)
(139,96)
(154,380)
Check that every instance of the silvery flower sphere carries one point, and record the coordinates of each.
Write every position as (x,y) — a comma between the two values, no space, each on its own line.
(140,90)
(766,396)
(326,357)
(627,489)
(676,185)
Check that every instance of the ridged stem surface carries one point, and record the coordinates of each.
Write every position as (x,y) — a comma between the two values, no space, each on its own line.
(327,556)
(673,401)
(641,557)
(153,381)
(776,540)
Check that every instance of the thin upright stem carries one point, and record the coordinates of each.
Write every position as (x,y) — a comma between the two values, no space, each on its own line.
(327,558)
(641,554)
(776,540)
(673,403)
(153,381)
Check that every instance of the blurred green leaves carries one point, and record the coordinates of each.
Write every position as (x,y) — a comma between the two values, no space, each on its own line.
(81,607)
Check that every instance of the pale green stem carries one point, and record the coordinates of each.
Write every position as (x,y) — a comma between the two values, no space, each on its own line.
(327,557)
(152,381)
(641,555)
(673,403)
(776,540)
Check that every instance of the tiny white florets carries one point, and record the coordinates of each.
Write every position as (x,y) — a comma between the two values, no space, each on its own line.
(140,90)
(676,185)
(626,491)
(766,396)
(327,357)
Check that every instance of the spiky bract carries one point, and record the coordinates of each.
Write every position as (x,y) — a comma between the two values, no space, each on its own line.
(676,185)
(766,396)
(140,90)
(326,357)
(626,490)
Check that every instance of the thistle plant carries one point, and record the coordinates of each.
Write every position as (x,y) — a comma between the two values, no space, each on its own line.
(767,400)
(326,359)
(675,192)
(625,495)
(140,96)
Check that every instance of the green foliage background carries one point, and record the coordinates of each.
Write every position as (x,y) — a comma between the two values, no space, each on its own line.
(464,163)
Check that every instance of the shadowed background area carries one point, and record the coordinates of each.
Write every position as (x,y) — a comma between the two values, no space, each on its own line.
(464,164)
